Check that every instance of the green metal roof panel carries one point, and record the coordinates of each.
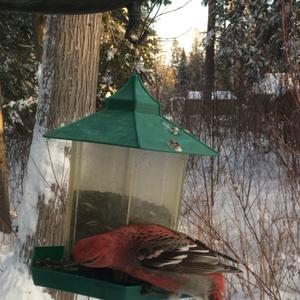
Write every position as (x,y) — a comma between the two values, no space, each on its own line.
(159,134)
(145,102)
(131,118)
(104,127)
(133,96)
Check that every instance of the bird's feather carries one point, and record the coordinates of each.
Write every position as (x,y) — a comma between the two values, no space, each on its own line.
(173,251)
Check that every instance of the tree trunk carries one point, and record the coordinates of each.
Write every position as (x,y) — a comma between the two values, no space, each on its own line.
(67,82)
(5,221)
(70,69)
(209,66)
(208,88)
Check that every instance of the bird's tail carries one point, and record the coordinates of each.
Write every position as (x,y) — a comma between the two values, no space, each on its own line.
(230,269)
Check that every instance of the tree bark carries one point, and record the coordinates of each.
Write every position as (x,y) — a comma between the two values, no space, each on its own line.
(209,66)
(70,72)
(5,220)
(69,86)
(67,91)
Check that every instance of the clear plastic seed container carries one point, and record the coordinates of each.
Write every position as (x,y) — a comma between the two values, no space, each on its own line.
(111,186)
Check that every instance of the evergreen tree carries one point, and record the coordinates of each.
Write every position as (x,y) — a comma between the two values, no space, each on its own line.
(241,53)
(176,53)
(17,57)
(182,78)
(251,41)
(196,62)
(119,58)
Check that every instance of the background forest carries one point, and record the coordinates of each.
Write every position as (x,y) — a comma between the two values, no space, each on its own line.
(237,90)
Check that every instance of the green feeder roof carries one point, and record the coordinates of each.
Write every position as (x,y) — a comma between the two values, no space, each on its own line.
(132,118)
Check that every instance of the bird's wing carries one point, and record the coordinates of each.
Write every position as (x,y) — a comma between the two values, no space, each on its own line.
(172,251)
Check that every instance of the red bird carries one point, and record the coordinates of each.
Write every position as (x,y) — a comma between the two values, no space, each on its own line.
(160,256)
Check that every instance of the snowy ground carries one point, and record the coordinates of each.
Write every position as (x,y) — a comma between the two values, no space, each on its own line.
(16,282)
(255,183)
(256,211)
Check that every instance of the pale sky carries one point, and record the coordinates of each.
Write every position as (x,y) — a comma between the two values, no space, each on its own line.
(181,24)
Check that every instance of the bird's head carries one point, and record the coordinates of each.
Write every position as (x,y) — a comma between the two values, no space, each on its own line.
(94,252)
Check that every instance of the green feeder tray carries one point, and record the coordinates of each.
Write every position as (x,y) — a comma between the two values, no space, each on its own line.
(83,282)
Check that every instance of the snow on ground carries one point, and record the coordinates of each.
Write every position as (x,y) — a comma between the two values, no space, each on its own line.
(247,167)
(47,167)
(252,205)
(15,281)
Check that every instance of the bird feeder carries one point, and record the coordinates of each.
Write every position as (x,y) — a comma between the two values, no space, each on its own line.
(128,164)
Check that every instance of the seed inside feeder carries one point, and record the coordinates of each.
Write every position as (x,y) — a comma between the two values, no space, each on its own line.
(99,212)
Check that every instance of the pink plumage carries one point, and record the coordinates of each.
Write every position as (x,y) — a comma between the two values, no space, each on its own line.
(160,256)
